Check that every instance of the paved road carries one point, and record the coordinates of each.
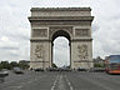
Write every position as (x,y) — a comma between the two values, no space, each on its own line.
(61,81)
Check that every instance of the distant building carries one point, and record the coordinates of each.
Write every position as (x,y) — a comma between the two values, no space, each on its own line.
(98,60)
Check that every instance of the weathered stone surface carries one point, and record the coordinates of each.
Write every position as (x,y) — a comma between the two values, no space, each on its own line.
(81,32)
(60,12)
(49,23)
(39,33)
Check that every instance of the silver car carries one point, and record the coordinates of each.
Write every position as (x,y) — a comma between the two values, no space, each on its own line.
(3,74)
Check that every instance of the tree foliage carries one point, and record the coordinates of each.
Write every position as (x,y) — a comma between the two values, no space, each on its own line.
(99,65)
(24,64)
(98,62)
(6,65)
(54,65)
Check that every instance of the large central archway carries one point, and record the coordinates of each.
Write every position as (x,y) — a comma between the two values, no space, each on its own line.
(57,34)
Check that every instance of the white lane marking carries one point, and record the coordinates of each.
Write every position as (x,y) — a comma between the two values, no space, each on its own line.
(68,82)
(55,82)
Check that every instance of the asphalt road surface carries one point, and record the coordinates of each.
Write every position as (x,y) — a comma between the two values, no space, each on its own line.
(61,81)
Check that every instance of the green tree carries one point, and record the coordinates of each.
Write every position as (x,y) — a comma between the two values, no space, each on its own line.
(14,64)
(5,65)
(98,62)
(24,64)
(54,65)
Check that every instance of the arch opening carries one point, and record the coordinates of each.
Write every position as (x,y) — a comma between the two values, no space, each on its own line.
(61,53)
(61,49)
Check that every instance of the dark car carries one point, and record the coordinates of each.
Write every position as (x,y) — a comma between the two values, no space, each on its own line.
(65,69)
(18,70)
(81,69)
(39,70)
(52,69)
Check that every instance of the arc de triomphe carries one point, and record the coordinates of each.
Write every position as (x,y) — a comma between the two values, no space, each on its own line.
(49,23)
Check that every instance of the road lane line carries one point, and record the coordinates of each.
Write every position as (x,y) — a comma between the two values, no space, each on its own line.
(55,82)
(68,82)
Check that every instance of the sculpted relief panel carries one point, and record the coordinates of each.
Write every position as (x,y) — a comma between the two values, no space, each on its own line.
(82,52)
(39,51)
(81,32)
(39,33)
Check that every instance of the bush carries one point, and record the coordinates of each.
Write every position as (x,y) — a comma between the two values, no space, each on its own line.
(54,65)
(6,65)
(99,65)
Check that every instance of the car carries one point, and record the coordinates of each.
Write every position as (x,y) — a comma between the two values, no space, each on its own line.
(18,70)
(65,69)
(53,69)
(3,74)
(82,69)
(39,69)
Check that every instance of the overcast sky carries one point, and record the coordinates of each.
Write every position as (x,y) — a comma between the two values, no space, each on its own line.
(15,27)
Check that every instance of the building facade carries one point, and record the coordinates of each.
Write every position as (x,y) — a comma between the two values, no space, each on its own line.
(49,23)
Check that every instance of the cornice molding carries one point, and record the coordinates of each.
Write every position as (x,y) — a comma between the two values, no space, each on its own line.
(67,18)
(49,40)
(62,9)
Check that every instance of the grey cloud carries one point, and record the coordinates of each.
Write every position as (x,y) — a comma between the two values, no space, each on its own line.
(8,48)
(13,55)
(95,28)
(116,17)
(19,37)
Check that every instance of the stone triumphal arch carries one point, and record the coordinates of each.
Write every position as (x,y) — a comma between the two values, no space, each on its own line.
(49,23)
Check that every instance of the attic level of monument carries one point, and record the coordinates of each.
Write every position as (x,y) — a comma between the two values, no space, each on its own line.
(49,23)
(62,9)
(57,12)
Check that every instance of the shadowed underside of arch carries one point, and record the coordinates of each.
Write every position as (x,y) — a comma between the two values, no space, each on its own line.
(61,33)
